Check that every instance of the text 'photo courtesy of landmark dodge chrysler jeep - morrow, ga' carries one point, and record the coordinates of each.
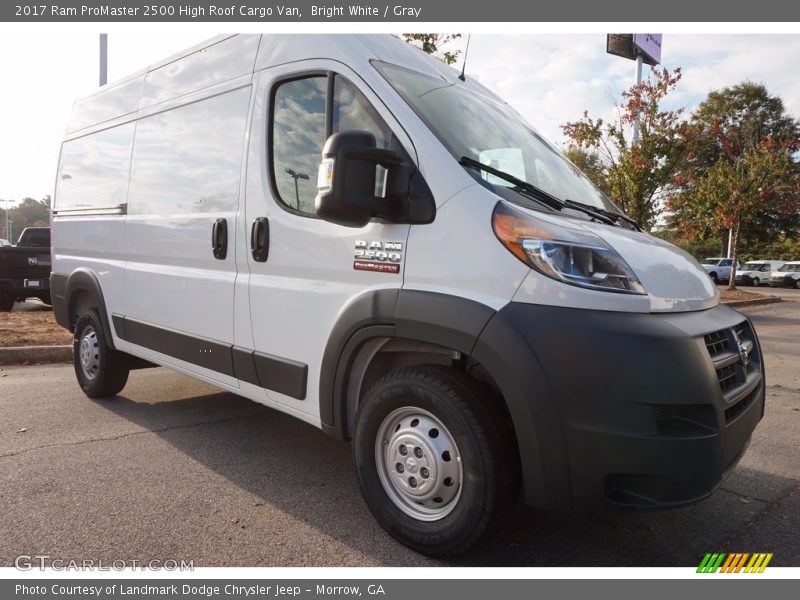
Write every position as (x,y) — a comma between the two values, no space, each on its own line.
(341,228)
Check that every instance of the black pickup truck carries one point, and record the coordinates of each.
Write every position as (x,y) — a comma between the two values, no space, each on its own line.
(25,268)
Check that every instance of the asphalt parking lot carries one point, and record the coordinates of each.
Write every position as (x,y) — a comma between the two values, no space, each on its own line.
(176,469)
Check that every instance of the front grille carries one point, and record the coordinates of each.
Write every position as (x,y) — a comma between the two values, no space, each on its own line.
(738,366)
(715,342)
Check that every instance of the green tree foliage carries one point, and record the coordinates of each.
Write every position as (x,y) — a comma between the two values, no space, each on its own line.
(27,213)
(434,42)
(741,175)
(636,176)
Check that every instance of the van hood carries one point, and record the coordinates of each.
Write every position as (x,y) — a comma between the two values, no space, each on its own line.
(673,279)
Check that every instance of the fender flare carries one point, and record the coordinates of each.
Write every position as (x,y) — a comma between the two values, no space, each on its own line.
(65,290)
(473,329)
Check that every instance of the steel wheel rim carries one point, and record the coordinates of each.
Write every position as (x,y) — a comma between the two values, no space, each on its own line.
(418,464)
(89,353)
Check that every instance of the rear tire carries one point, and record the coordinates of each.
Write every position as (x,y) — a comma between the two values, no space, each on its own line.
(6,302)
(101,371)
(714,278)
(436,461)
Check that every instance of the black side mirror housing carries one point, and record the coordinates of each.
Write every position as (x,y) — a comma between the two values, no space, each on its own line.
(346,183)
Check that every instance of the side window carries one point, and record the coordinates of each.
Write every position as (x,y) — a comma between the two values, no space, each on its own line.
(298,135)
(725,263)
(300,128)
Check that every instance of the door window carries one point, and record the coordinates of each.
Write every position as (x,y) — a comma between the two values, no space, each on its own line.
(300,127)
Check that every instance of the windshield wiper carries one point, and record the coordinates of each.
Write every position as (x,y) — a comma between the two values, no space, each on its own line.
(615,216)
(522,185)
(537,193)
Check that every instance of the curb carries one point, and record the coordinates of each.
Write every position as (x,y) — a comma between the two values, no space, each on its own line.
(754,302)
(35,354)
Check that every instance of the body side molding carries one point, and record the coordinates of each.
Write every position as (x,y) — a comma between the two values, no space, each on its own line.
(274,373)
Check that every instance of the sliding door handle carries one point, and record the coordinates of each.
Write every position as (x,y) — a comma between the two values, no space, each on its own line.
(259,239)
(219,238)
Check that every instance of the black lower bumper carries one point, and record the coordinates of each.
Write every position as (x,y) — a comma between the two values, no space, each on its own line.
(620,409)
(26,288)
(786,281)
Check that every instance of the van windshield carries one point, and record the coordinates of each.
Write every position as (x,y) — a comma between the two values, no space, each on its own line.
(479,128)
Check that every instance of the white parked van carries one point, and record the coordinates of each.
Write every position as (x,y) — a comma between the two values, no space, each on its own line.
(787,276)
(756,272)
(339,227)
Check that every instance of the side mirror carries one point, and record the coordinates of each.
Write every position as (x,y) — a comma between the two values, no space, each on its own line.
(346,179)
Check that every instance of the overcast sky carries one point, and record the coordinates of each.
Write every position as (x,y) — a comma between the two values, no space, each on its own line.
(550,79)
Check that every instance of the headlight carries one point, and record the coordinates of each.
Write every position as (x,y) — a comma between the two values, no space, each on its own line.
(569,255)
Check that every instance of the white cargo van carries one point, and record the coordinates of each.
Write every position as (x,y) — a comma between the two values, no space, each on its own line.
(756,272)
(341,228)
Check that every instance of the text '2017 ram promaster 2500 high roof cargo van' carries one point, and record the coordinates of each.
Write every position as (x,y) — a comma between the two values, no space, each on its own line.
(342,229)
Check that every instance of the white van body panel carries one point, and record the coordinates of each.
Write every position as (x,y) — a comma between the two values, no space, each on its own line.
(458,253)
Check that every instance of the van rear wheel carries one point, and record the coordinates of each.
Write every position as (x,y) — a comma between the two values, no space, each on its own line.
(434,458)
(102,372)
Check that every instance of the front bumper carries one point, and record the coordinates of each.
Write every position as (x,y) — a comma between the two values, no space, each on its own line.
(644,410)
(786,281)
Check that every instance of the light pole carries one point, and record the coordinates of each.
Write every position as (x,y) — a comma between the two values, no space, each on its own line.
(103,58)
(635,134)
(295,175)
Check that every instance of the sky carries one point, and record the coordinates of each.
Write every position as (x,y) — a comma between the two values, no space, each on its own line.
(550,79)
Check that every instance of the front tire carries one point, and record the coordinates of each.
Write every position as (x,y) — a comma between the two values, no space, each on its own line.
(102,372)
(435,459)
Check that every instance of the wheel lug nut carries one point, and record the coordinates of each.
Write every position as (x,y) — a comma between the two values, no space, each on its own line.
(424,472)
(403,450)
(418,452)
(412,482)
(399,468)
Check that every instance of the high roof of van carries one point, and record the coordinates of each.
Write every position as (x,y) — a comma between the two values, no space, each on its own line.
(228,57)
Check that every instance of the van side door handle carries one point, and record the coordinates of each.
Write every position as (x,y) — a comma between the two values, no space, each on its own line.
(219,238)
(259,239)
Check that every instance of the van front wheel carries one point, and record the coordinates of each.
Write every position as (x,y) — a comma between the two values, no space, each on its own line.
(101,371)
(434,459)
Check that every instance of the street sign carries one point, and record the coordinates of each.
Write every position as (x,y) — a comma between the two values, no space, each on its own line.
(631,45)
(649,44)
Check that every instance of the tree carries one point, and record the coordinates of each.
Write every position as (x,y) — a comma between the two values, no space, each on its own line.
(636,176)
(28,213)
(741,174)
(738,189)
(433,43)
